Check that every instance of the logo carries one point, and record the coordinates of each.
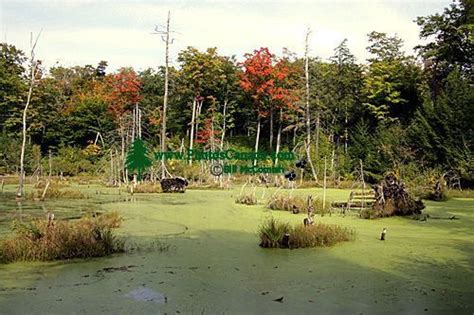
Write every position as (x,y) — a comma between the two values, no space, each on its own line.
(217,169)
(137,158)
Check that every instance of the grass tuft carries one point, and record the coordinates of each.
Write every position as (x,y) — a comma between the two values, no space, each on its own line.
(55,193)
(43,241)
(272,235)
(285,202)
(147,188)
(248,198)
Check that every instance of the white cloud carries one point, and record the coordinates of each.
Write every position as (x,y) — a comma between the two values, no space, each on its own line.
(85,32)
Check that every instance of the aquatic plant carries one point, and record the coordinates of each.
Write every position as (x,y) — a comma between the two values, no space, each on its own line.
(274,234)
(44,240)
(287,202)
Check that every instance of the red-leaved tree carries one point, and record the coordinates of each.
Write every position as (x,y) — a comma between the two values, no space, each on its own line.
(124,88)
(264,79)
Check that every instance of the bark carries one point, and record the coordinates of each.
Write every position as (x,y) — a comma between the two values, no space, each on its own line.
(294,136)
(191,134)
(43,195)
(346,133)
(223,123)
(333,170)
(33,69)
(278,141)
(271,130)
(307,113)
(198,115)
(112,182)
(324,185)
(317,133)
(135,121)
(257,139)
(165,99)
(50,163)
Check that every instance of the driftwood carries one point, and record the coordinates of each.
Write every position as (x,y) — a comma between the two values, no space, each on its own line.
(392,198)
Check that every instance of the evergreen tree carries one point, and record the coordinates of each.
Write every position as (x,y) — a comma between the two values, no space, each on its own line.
(137,158)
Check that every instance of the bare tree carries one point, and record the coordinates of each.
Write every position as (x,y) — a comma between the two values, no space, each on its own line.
(224,121)
(308,114)
(33,72)
(257,138)
(166,39)
(278,139)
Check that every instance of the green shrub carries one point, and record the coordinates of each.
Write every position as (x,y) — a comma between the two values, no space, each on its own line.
(39,240)
(272,235)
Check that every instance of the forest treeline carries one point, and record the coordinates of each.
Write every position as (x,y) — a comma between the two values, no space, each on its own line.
(395,112)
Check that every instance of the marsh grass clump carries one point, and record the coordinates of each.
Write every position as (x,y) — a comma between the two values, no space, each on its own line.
(296,204)
(319,235)
(41,184)
(147,188)
(43,240)
(276,234)
(208,186)
(246,199)
(286,202)
(457,193)
(271,233)
(55,193)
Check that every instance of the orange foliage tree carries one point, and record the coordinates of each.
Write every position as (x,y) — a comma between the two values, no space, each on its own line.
(265,80)
(124,93)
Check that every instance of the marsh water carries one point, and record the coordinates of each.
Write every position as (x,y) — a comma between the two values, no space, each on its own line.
(213,264)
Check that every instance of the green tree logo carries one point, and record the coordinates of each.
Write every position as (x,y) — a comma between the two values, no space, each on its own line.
(137,158)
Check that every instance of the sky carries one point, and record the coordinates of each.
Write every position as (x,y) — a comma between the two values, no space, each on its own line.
(80,32)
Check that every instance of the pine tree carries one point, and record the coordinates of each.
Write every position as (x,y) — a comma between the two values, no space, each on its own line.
(137,158)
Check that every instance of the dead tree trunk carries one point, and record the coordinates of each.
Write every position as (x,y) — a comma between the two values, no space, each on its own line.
(278,141)
(223,123)
(271,130)
(191,135)
(122,153)
(257,139)
(166,39)
(197,117)
(33,72)
(318,122)
(50,164)
(346,133)
(308,114)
